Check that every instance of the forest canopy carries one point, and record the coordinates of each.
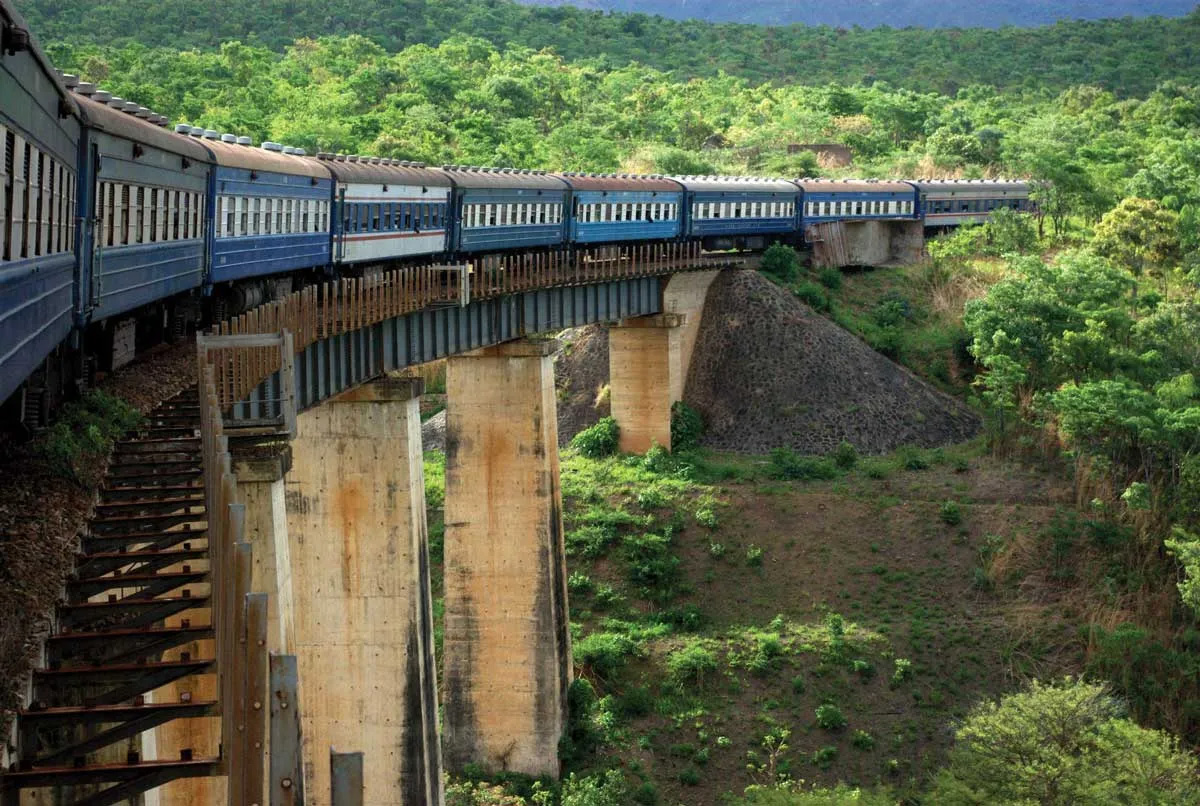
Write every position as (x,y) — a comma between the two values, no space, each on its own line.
(1115,54)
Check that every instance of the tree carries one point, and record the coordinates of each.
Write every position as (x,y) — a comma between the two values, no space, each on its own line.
(1062,743)
(1142,236)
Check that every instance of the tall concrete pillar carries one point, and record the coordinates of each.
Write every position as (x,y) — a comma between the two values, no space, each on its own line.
(355,499)
(646,377)
(507,650)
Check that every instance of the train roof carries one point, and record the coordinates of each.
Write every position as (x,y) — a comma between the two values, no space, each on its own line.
(620,182)
(970,184)
(13,18)
(854,186)
(751,184)
(474,178)
(98,115)
(380,171)
(245,156)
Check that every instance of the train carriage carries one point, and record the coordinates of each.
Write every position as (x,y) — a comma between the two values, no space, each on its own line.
(728,212)
(387,210)
(272,210)
(145,207)
(502,209)
(951,202)
(856,200)
(39,137)
(609,208)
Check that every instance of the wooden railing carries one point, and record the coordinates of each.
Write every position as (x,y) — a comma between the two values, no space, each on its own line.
(343,306)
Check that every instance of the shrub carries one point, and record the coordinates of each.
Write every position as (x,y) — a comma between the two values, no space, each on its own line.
(780,262)
(606,789)
(824,756)
(950,513)
(651,498)
(1065,742)
(845,455)
(716,550)
(645,794)
(691,665)
(830,717)
(706,516)
(579,583)
(876,469)
(85,432)
(604,652)
(687,427)
(913,458)
(888,341)
(788,465)
(813,295)
(690,777)
(862,740)
(862,668)
(902,672)
(599,441)
(651,565)
(831,278)
(754,557)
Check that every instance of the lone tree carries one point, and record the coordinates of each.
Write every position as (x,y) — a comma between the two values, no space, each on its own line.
(1142,236)
(1058,744)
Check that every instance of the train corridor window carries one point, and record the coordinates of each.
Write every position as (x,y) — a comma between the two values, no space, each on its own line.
(279,216)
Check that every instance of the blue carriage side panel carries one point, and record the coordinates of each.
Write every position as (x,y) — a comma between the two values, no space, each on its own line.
(615,208)
(39,134)
(857,200)
(146,194)
(731,206)
(259,248)
(498,210)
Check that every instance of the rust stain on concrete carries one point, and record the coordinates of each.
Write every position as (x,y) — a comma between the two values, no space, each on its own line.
(349,512)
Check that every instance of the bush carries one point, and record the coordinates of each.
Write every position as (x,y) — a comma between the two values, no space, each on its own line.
(788,465)
(1065,742)
(950,513)
(605,789)
(862,740)
(780,262)
(690,777)
(687,427)
(824,757)
(888,341)
(691,665)
(845,455)
(754,556)
(599,441)
(830,717)
(902,672)
(813,295)
(831,278)
(604,652)
(651,498)
(85,432)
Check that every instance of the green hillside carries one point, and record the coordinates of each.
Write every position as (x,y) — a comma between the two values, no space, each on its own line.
(1113,54)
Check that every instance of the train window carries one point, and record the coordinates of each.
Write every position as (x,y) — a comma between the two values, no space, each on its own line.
(6,173)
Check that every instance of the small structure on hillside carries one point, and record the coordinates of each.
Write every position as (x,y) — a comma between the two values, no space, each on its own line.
(834,155)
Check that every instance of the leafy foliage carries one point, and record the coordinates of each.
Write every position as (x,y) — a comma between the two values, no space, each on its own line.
(1062,743)
(601,440)
(85,432)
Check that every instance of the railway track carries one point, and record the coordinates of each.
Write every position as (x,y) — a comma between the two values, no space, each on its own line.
(133,633)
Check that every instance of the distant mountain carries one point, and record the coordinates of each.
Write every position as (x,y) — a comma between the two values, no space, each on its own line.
(894,13)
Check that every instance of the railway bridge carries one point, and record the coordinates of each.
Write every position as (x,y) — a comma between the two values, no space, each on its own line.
(335,514)
(317,596)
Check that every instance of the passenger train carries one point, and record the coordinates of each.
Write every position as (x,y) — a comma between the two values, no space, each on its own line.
(117,230)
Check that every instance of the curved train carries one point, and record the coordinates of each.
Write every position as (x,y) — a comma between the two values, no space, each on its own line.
(117,230)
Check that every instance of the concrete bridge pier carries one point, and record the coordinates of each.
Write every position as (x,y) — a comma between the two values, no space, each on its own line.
(646,377)
(649,358)
(507,643)
(359,554)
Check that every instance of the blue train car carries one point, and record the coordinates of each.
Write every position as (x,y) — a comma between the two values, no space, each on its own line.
(729,212)
(144,201)
(613,208)
(501,209)
(39,136)
(856,200)
(271,210)
(387,210)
